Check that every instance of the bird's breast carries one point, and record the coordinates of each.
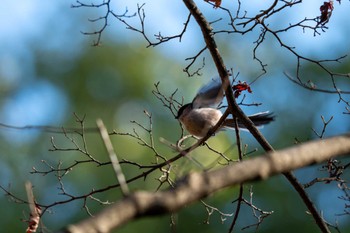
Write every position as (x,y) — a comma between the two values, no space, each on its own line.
(199,121)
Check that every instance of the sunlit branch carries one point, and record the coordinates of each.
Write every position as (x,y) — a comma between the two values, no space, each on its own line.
(199,185)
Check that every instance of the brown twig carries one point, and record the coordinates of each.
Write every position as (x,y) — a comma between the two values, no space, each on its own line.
(113,157)
(240,194)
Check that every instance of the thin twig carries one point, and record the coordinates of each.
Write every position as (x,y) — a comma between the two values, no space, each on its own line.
(113,157)
(240,194)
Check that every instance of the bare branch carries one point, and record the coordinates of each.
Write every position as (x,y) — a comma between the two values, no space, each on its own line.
(105,4)
(113,157)
(240,159)
(325,123)
(258,213)
(159,37)
(211,209)
(199,185)
(193,59)
(35,211)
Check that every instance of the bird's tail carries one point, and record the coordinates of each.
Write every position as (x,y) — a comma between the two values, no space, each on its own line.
(259,119)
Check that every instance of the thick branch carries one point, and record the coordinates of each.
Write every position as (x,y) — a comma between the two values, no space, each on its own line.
(236,111)
(223,72)
(199,185)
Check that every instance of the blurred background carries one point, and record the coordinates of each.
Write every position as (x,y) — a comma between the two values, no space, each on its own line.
(50,71)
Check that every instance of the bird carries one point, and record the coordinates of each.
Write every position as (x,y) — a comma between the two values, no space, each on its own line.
(202,114)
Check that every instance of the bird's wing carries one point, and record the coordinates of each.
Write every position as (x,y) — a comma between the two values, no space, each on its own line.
(209,95)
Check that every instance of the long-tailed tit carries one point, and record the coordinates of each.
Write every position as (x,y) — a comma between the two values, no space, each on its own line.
(202,114)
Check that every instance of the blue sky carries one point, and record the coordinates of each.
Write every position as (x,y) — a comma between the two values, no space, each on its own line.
(54,25)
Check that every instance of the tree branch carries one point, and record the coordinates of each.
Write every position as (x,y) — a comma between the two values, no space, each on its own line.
(199,185)
(237,112)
